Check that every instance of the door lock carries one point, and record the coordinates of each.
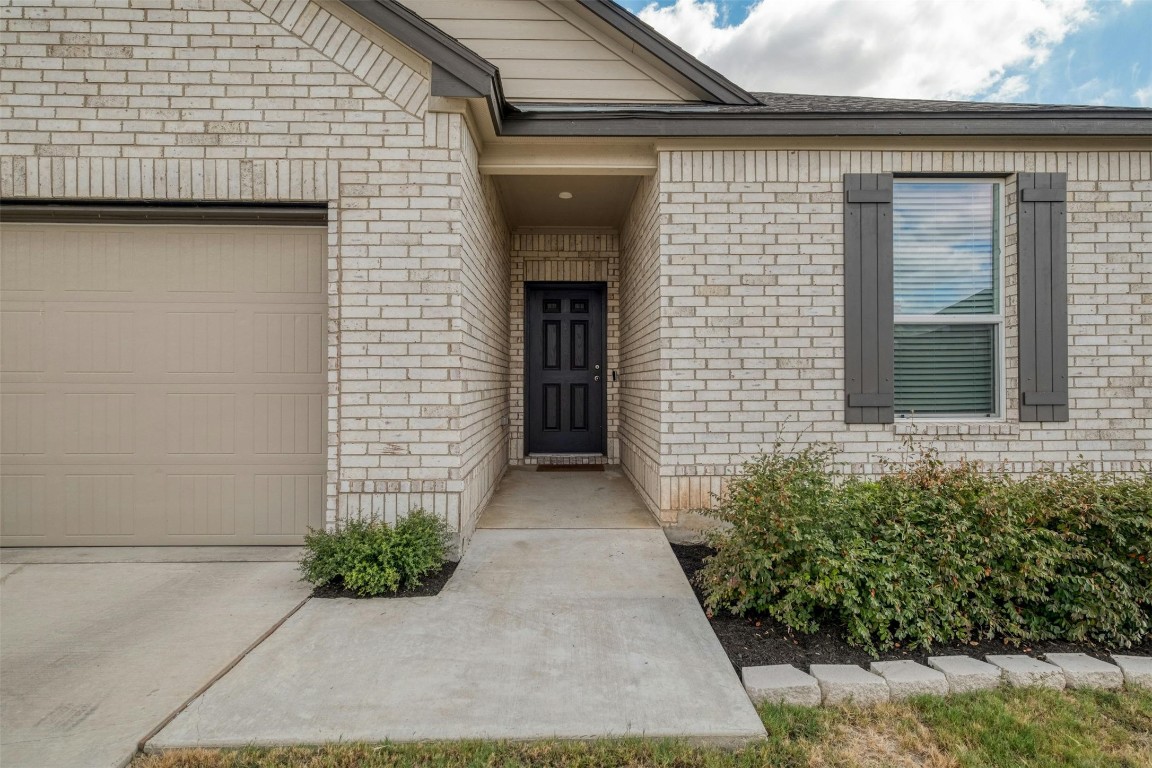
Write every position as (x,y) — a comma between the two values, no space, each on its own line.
(595,378)
(596,367)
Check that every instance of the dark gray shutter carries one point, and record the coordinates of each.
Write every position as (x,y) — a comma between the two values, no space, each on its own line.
(1043,295)
(868,336)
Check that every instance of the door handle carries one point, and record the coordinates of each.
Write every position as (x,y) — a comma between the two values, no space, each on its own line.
(595,378)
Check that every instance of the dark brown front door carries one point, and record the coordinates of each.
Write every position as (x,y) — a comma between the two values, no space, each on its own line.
(564,400)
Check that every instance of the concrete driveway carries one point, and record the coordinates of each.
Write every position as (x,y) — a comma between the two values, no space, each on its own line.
(99,646)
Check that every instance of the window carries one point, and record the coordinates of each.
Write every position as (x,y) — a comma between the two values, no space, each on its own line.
(923,297)
(947,297)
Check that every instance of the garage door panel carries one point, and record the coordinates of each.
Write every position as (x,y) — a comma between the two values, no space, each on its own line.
(209,264)
(140,403)
(88,505)
(281,502)
(100,423)
(200,342)
(99,505)
(162,424)
(100,341)
(24,421)
(100,262)
(286,423)
(293,269)
(288,342)
(201,423)
(22,263)
(201,504)
(23,499)
(22,340)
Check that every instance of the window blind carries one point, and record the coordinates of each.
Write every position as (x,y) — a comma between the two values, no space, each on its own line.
(944,254)
(945,369)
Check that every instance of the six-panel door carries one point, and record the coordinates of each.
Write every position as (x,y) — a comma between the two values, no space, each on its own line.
(565,377)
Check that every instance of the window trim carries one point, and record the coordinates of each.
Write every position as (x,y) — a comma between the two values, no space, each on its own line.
(997,319)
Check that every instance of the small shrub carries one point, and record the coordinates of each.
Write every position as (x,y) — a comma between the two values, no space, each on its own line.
(931,553)
(372,558)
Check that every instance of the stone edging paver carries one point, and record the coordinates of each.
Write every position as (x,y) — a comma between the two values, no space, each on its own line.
(1021,671)
(831,684)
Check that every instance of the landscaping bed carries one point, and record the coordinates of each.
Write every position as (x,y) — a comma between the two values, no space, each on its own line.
(756,640)
(430,586)
(374,558)
(925,558)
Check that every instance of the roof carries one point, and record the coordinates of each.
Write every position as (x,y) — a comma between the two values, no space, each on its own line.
(459,72)
(795,102)
(720,88)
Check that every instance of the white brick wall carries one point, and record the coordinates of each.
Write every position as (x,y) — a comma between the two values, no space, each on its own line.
(752,295)
(485,353)
(641,352)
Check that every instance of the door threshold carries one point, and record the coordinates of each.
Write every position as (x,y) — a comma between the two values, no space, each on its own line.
(570,467)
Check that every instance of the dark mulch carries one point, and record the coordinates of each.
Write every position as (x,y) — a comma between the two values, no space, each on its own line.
(756,640)
(430,585)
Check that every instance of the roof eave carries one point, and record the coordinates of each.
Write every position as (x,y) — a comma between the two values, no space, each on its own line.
(707,80)
(429,41)
(457,71)
(719,124)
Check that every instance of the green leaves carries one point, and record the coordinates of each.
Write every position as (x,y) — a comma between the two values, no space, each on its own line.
(931,553)
(373,558)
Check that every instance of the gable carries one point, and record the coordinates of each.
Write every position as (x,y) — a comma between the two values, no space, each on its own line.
(549,51)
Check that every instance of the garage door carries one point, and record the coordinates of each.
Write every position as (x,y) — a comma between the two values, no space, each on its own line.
(161,384)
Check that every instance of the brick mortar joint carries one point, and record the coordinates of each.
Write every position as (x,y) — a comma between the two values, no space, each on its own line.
(350,73)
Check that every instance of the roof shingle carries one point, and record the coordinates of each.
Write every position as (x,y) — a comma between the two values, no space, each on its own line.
(792,102)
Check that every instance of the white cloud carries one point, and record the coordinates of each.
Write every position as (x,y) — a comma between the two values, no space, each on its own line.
(1009,89)
(1096,91)
(1144,95)
(937,49)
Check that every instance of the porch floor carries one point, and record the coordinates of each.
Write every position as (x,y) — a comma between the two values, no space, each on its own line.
(531,499)
(545,630)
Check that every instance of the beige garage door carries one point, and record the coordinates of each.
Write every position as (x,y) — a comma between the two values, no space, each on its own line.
(161,384)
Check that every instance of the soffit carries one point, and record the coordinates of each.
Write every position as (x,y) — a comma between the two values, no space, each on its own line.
(596,202)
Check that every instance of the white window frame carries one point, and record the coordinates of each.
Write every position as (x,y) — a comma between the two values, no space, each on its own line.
(999,358)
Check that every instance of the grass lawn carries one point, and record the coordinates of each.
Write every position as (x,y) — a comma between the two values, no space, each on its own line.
(1000,729)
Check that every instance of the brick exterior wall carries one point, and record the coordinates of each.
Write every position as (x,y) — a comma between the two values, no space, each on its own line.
(134,101)
(752,293)
(560,257)
(642,330)
(485,323)
(725,285)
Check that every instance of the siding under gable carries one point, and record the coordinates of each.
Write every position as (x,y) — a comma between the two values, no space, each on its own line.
(545,53)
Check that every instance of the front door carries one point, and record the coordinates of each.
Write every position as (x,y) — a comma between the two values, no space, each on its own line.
(564,401)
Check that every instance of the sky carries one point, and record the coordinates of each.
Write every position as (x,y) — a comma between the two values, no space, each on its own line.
(1029,51)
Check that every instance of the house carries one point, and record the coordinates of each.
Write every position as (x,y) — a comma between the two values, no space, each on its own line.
(271,263)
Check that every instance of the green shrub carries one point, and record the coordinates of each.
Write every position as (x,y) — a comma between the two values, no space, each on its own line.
(930,553)
(1102,586)
(372,558)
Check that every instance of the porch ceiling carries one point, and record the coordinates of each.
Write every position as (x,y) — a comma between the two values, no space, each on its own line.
(596,201)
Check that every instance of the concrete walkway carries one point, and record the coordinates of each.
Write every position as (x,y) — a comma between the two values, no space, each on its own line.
(96,654)
(545,630)
(580,499)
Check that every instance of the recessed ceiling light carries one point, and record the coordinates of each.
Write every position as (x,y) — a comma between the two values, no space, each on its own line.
(565,195)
